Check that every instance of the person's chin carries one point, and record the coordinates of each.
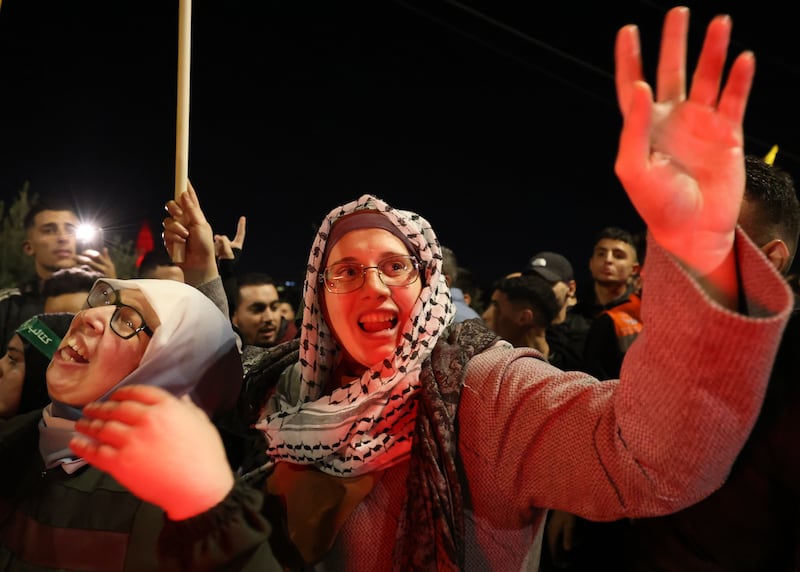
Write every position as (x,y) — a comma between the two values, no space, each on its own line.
(378,353)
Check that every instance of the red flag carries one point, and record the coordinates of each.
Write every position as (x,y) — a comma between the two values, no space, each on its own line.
(144,242)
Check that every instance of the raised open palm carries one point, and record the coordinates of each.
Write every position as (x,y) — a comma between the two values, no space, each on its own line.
(681,159)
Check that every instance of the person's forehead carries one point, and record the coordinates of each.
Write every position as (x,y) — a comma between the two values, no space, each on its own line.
(613,244)
(364,240)
(15,344)
(499,296)
(56,216)
(263,292)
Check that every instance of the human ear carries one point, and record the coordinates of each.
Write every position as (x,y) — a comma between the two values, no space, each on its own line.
(778,254)
(526,316)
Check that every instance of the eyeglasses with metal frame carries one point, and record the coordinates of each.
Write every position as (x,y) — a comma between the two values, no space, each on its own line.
(345,277)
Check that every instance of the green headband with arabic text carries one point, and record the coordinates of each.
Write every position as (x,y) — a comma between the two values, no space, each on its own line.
(40,335)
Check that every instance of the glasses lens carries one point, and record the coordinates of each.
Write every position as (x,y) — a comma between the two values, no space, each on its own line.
(101,295)
(344,276)
(398,270)
(126,321)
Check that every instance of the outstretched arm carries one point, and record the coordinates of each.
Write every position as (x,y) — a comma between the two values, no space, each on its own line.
(681,159)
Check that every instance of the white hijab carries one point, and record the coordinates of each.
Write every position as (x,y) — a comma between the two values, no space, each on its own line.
(193,351)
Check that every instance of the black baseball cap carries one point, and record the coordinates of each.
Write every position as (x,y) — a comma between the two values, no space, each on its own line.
(551,266)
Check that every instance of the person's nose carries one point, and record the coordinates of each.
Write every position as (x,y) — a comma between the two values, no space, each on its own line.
(92,319)
(63,234)
(373,281)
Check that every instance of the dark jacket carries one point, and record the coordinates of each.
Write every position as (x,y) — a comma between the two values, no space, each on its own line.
(610,335)
(93,523)
(566,342)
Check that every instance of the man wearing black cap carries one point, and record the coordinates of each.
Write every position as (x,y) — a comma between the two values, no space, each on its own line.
(567,332)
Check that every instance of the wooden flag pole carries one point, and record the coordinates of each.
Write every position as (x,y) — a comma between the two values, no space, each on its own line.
(182,122)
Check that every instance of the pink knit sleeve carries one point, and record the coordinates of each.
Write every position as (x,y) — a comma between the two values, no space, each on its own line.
(661,438)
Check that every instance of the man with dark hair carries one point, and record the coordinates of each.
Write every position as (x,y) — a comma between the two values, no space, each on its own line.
(769,213)
(617,322)
(50,240)
(255,313)
(67,288)
(520,309)
(158,264)
(614,266)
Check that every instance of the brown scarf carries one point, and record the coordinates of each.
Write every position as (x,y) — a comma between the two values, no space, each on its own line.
(430,535)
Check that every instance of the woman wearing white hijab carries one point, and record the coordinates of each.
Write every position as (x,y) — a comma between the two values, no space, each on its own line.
(396,440)
(56,511)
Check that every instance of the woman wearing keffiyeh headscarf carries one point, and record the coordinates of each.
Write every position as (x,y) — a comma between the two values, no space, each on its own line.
(57,511)
(396,440)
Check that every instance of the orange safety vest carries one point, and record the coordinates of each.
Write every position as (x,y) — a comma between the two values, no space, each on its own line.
(627,321)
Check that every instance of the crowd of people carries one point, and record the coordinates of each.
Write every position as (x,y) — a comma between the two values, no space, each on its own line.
(396,417)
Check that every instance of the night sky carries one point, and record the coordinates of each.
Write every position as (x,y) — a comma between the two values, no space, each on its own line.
(495,120)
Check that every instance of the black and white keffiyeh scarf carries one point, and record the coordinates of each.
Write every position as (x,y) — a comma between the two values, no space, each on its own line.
(366,425)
